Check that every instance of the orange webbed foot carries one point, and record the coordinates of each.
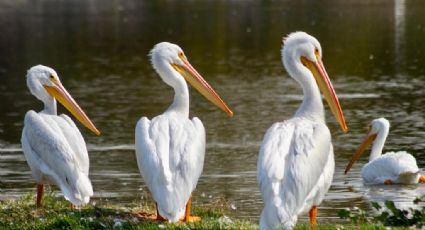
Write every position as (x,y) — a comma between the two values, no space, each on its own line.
(388,182)
(421,179)
(192,219)
(147,216)
(159,218)
(187,217)
(313,216)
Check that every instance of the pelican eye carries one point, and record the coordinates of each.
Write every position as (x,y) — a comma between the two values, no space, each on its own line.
(316,52)
(53,78)
(181,55)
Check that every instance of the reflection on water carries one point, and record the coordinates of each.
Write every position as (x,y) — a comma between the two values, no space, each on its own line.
(399,30)
(373,52)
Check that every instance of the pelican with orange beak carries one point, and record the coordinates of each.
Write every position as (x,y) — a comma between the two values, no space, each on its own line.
(170,148)
(53,146)
(392,167)
(296,161)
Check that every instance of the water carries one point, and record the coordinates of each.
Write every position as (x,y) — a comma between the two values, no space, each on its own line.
(373,51)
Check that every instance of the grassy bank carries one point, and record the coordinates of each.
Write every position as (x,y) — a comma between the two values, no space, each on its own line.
(57,214)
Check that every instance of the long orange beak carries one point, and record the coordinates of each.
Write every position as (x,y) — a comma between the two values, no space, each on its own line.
(325,85)
(61,94)
(365,143)
(196,80)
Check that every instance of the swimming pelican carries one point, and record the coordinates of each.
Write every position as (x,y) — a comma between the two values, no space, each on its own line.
(170,148)
(390,168)
(53,146)
(296,162)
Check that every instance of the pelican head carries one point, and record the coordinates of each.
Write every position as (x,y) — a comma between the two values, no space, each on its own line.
(377,134)
(302,58)
(173,66)
(44,84)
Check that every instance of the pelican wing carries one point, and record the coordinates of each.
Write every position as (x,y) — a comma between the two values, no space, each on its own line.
(76,142)
(170,154)
(399,167)
(56,152)
(291,168)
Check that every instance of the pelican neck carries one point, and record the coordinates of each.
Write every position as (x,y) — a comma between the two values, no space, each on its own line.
(312,104)
(378,144)
(50,106)
(180,103)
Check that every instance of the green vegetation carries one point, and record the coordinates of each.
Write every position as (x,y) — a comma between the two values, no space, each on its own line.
(389,215)
(58,214)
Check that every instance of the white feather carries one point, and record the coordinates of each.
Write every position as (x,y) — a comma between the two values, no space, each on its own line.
(53,146)
(291,172)
(56,153)
(170,148)
(296,161)
(170,152)
(399,167)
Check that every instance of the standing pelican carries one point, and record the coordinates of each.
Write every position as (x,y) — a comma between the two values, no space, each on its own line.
(52,144)
(170,148)
(391,168)
(296,162)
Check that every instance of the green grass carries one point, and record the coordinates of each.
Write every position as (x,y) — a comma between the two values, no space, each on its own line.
(57,214)
(350,227)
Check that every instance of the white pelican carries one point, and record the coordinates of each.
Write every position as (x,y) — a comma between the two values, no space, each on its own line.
(390,168)
(296,162)
(170,148)
(52,144)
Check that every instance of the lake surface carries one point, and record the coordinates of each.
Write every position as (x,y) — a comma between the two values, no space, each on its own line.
(373,51)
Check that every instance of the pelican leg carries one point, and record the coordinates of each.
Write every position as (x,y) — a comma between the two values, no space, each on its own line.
(158,217)
(40,191)
(187,216)
(421,179)
(388,182)
(313,213)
